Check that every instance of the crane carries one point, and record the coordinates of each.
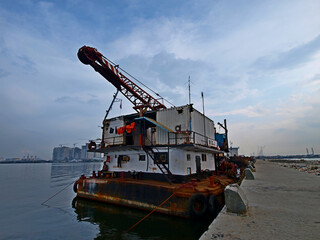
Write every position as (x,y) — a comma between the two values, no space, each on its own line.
(226,145)
(141,100)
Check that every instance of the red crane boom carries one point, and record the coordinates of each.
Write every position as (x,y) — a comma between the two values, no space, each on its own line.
(141,100)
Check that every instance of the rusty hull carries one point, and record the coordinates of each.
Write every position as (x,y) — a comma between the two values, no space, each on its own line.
(149,194)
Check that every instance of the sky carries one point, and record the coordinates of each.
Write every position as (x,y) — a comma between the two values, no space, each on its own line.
(257,63)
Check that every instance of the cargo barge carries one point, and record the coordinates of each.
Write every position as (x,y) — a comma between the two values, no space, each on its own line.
(162,159)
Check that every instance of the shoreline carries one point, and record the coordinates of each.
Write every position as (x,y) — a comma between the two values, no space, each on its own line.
(302,165)
(283,204)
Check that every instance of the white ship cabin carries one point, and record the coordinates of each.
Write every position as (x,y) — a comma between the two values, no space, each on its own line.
(175,142)
(233,151)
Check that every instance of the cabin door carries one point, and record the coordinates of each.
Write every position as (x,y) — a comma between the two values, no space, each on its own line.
(198,164)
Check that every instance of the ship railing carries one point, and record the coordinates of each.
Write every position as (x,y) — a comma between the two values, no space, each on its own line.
(171,138)
(116,140)
(191,137)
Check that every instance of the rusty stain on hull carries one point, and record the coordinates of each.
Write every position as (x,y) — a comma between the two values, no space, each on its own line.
(148,194)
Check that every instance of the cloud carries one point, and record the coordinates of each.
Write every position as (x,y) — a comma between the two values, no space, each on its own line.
(312,82)
(80,99)
(250,111)
(286,129)
(48,95)
(167,74)
(292,58)
(3,73)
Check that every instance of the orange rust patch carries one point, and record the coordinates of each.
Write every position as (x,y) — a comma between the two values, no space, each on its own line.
(176,206)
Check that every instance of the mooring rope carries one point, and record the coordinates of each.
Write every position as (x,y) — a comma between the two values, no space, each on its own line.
(57,193)
(150,212)
(175,190)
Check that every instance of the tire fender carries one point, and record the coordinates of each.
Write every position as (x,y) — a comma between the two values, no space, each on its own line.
(75,186)
(197,205)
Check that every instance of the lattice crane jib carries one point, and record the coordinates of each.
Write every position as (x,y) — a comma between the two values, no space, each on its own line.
(141,100)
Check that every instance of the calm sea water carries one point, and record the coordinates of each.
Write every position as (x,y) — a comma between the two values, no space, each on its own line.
(25,186)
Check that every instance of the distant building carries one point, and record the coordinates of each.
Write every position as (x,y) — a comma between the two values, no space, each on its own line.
(68,154)
(76,153)
(84,153)
(233,151)
(61,154)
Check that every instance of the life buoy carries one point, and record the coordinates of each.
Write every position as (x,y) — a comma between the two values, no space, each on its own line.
(198,205)
(92,145)
(75,186)
(213,205)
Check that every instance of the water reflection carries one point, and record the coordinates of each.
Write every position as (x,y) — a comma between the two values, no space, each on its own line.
(113,221)
(110,221)
(61,172)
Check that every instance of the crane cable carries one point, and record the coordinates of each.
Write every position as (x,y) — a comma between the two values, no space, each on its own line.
(138,80)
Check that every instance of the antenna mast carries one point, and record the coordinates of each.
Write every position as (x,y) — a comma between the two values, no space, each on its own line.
(189,91)
(204,117)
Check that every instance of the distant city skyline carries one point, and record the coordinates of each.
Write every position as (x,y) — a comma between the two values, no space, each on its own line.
(64,153)
(257,63)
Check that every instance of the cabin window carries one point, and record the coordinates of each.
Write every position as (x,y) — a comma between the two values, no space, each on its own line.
(188,157)
(161,157)
(142,157)
(124,158)
(204,157)
(111,130)
(189,170)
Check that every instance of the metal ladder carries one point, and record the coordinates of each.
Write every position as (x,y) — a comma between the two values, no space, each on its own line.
(163,168)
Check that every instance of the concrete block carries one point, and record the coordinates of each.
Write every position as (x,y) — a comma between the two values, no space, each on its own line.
(252,168)
(235,199)
(248,174)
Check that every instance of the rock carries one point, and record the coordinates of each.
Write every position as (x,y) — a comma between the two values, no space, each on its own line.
(235,199)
